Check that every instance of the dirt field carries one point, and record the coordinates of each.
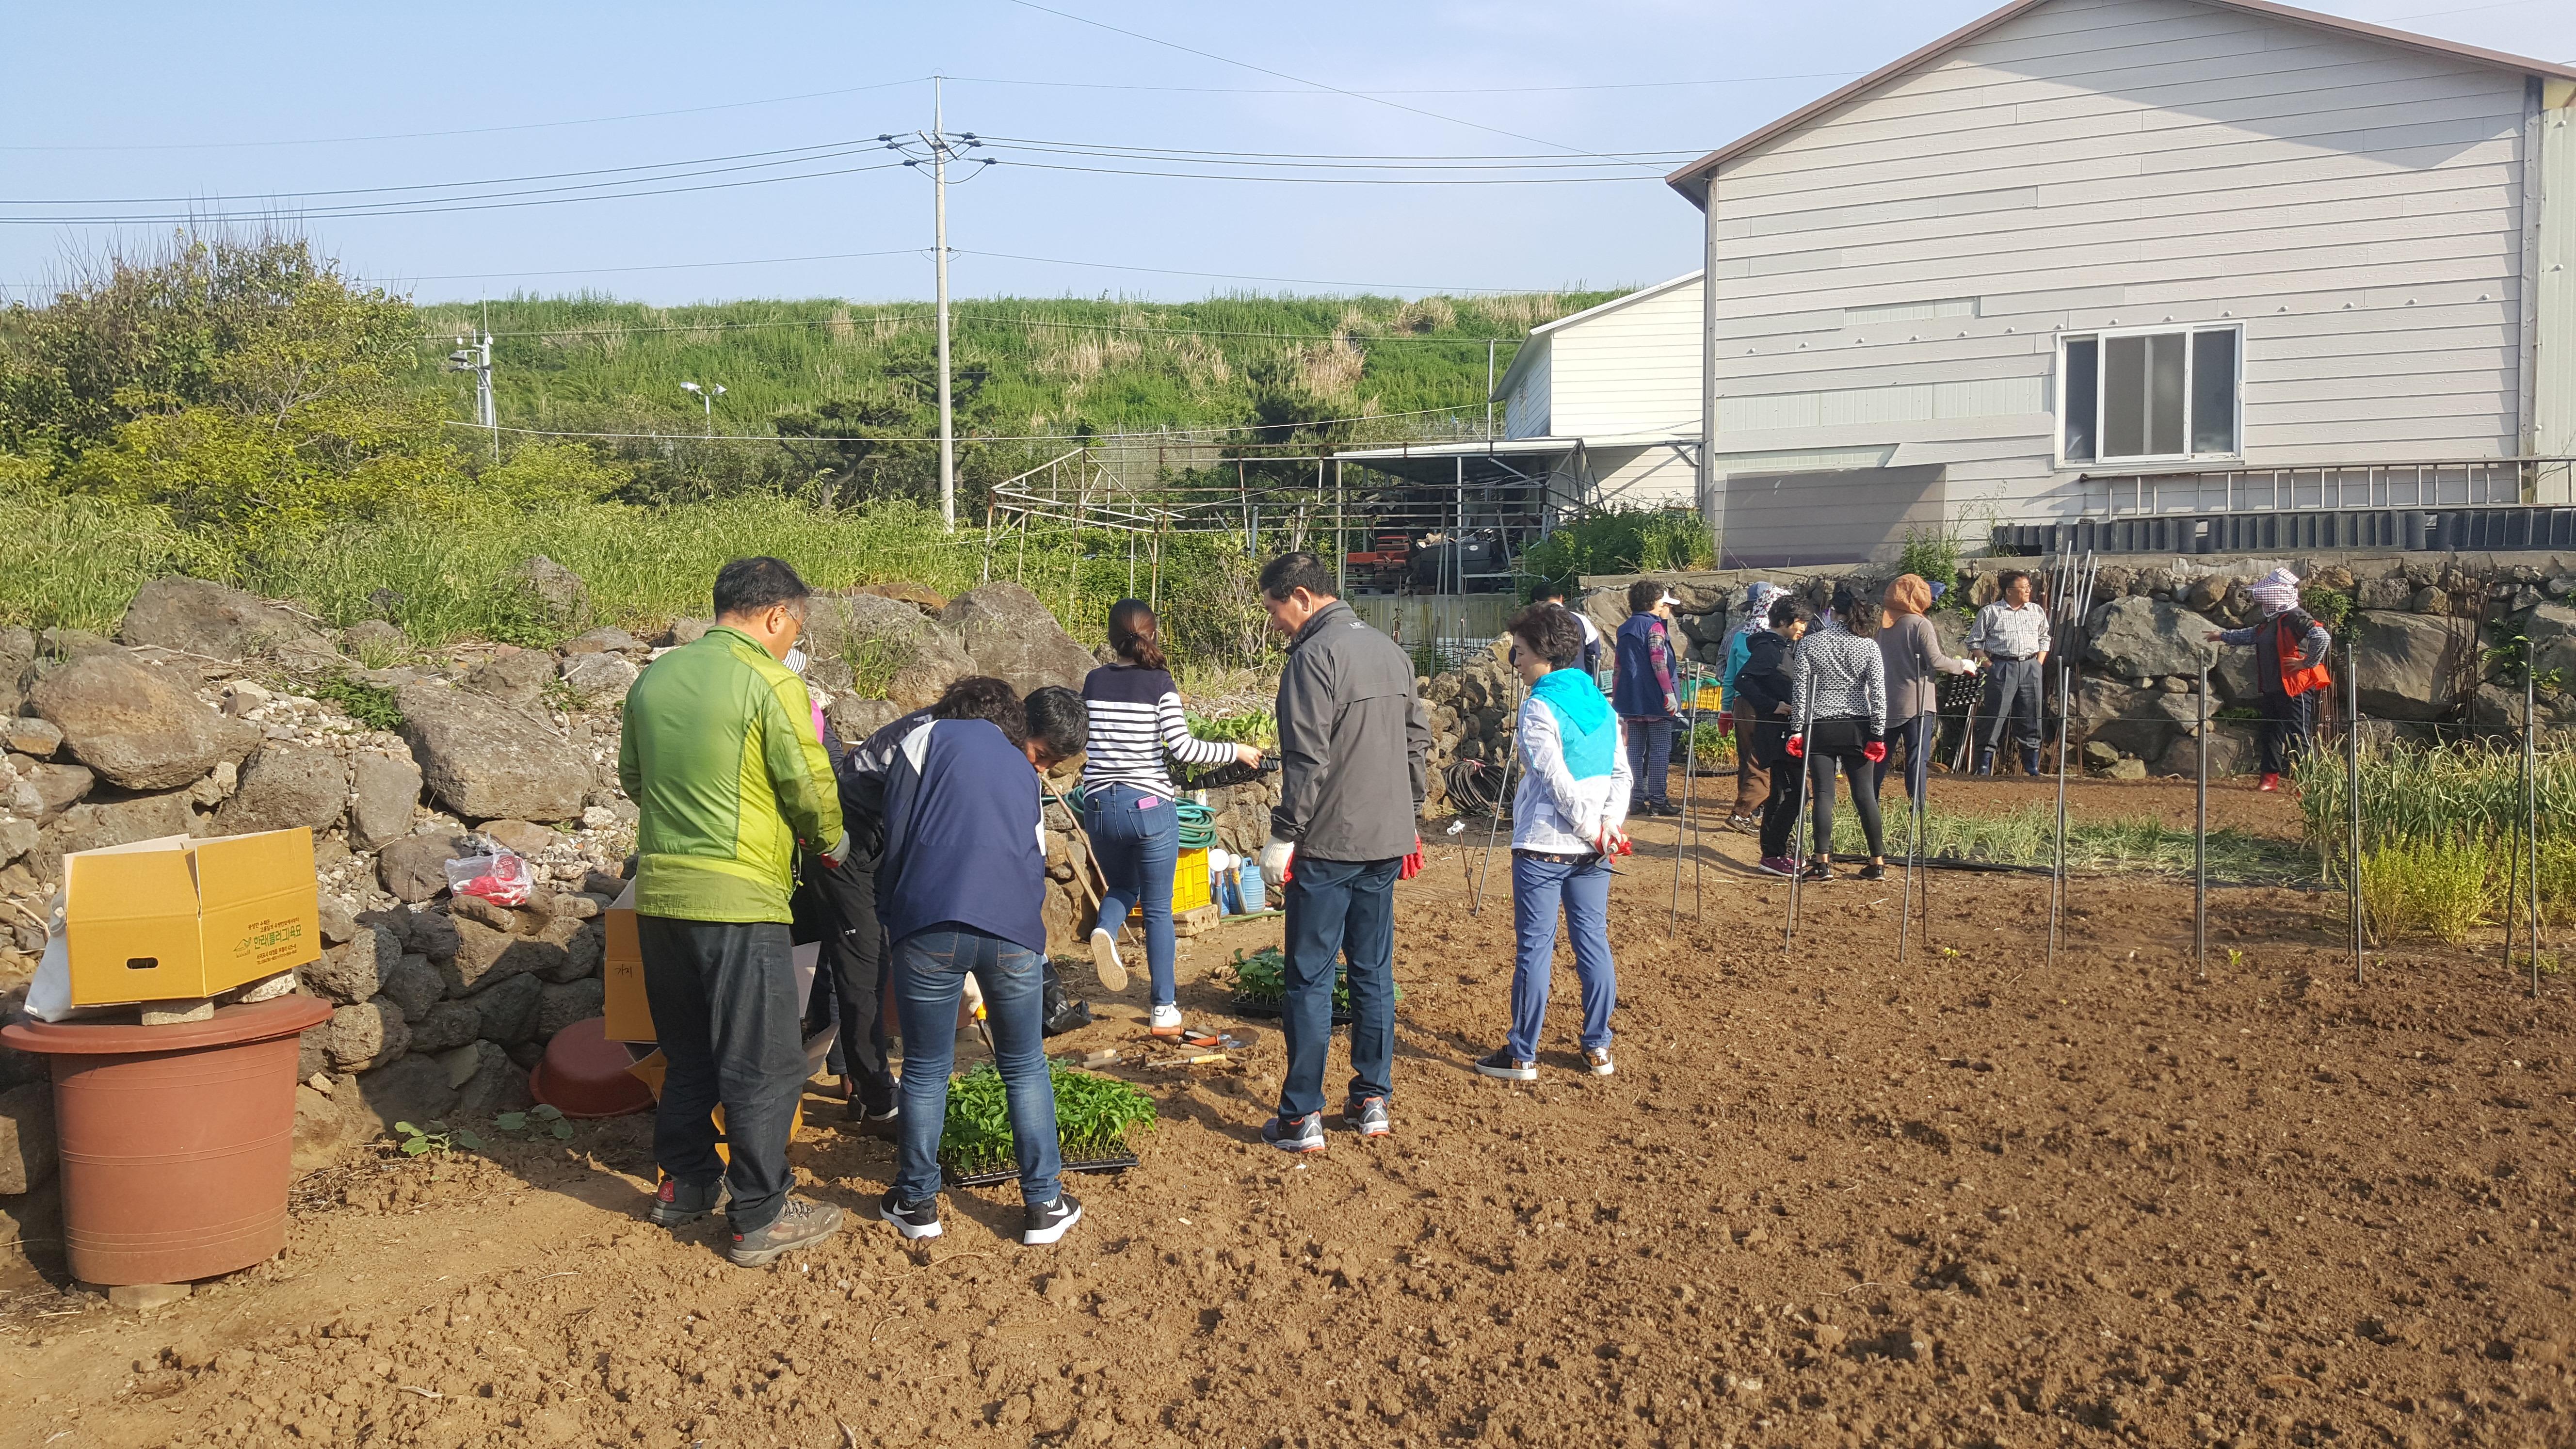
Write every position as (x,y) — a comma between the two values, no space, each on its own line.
(1825,1201)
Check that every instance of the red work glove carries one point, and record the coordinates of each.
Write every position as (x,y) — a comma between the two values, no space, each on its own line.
(1612,842)
(1412,865)
(1797,747)
(1726,719)
(1874,752)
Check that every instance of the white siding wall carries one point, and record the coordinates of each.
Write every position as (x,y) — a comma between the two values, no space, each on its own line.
(2130,162)
(1525,412)
(1633,369)
(1652,477)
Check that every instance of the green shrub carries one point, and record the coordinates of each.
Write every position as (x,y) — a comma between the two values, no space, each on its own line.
(1622,541)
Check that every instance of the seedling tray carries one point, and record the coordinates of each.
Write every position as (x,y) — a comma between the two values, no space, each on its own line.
(1268,1008)
(1010,1171)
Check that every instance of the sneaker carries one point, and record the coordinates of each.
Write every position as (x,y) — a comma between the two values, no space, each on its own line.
(875,1124)
(1367,1116)
(1295,1134)
(1043,1223)
(2270,782)
(1779,865)
(1598,1059)
(1104,959)
(1816,870)
(1747,824)
(912,1219)
(1873,871)
(1165,1020)
(1665,808)
(1502,1064)
(676,1206)
(802,1225)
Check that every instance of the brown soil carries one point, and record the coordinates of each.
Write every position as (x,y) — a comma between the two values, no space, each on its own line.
(1976,1200)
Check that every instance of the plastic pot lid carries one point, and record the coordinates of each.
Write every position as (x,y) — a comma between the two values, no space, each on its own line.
(230,1026)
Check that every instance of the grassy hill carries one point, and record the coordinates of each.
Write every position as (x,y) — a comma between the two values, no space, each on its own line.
(1065,367)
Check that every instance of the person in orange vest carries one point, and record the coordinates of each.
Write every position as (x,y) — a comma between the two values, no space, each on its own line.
(2289,667)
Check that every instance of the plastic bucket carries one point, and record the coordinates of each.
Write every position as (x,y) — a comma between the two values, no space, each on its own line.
(177,1142)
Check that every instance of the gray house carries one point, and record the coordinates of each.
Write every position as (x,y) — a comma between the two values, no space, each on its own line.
(2088,257)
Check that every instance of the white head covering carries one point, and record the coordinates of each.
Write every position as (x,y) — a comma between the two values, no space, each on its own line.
(2276,592)
(1757,600)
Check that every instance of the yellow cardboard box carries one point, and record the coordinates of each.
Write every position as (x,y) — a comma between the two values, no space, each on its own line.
(630,1016)
(177,918)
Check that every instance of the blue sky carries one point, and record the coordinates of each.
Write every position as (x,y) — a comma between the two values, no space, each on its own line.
(165,100)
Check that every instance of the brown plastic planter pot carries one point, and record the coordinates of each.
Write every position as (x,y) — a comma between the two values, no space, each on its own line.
(177,1142)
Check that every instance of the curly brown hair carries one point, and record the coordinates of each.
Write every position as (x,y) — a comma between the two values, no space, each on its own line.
(1550,632)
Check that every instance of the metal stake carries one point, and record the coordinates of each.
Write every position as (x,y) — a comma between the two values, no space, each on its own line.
(1913,836)
(2200,840)
(1504,795)
(2531,818)
(1798,821)
(1681,827)
(2057,871)
(2352,798)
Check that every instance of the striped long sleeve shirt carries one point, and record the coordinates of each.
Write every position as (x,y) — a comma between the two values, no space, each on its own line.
(1135,718)
(1835,674)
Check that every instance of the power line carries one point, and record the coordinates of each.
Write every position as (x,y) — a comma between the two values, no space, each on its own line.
(1183,152)
(1730,80)
(470,130)
(1644,175)
(1005,318)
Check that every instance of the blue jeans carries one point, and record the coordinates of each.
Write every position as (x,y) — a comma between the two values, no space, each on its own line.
(929,978)
(1137,837)
(1650,756)
(1916,736)
(1339,908)
(1537,888)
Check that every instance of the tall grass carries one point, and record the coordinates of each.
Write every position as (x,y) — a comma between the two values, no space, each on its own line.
(2440,829)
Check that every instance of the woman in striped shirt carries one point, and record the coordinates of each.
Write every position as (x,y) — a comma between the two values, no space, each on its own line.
(1128,797)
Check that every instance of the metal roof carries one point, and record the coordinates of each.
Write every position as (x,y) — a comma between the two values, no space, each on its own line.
(1692,180)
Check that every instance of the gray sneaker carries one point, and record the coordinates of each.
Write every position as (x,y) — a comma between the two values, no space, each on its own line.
(1367,1116)
(802,1225)
(676,1206)
(1295,1134)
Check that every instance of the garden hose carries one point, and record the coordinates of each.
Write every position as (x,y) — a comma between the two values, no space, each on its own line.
(1475,788)
(1197,822)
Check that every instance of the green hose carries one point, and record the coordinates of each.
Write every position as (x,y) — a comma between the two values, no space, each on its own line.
(1197,822)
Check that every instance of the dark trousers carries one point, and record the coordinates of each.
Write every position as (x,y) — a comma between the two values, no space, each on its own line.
(725,1010)
(2286,721)
(855,963)
(1650,757)
(2013,697)
(1339,908)
(1916,737)
(1855,767)
(1752,782)
(1780,809)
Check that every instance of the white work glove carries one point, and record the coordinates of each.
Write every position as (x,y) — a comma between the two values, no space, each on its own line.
(1275,855)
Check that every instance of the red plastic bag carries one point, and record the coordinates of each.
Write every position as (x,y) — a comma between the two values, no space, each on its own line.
(501,878)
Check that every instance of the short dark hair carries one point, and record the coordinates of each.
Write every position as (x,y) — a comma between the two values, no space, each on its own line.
(1290,572)
(2004,581)
(1785,611)
(748,585)
(1058,721)
(1550,632)
(1849,608)
(981,696)
(1547,589)
(1643,595)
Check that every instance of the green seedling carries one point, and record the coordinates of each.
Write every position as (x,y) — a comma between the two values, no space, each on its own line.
(437,1137)
(2235,958)
(1261,978)
(1094,1117)
(544,1117)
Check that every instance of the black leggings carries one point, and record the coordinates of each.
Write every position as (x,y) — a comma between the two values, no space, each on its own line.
(1836,744)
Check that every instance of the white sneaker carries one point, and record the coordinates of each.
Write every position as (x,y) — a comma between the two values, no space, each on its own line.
(1104,958)
(1165,1020)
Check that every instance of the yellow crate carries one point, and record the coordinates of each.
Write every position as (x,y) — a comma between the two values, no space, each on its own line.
(1711,698)
(1190,881)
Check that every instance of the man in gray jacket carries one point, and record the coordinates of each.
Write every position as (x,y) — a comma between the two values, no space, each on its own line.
(1354,747)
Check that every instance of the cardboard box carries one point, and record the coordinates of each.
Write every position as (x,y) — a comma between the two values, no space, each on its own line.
(630,1016)
(177,918)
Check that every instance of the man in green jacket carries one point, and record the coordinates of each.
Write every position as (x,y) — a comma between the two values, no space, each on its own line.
(729,781)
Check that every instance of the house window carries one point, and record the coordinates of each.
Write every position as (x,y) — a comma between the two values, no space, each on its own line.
(2148,394)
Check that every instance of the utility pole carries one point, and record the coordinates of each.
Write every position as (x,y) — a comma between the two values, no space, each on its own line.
(477,359)
(1489,389)
(938,147)
(706,395)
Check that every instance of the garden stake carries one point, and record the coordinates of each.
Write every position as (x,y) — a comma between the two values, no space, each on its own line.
(2057,870)
(1913,843)
(1798,821)
(1500,797)
(2531,819)
(2352,796)
(2200,840)
(1681,827)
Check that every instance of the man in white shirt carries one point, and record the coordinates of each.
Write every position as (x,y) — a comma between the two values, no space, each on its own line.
(2012,636)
